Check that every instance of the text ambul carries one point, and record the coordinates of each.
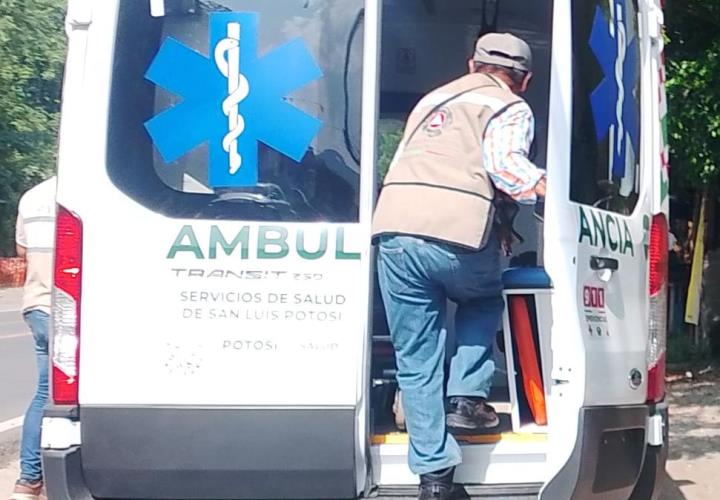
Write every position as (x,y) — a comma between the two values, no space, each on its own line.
(267,242)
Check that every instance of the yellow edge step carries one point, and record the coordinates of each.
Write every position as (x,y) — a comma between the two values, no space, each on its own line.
(402,438)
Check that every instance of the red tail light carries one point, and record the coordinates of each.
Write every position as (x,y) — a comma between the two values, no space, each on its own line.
(658,289)
(66,308)
(659,250)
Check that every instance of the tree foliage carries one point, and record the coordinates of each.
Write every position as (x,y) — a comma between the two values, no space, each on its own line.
(32,52)
(693,67)
(390,137)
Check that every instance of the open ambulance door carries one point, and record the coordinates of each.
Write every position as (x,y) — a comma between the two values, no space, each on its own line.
(597,223)
(423,46)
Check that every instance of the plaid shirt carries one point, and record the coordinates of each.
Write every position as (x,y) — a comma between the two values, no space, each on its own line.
(506,147)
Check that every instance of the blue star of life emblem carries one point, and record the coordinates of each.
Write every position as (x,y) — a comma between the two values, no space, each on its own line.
(615,48)
(233,99)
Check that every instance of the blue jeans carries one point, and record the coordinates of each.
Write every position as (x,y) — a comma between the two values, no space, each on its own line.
(417,278)
(30,456)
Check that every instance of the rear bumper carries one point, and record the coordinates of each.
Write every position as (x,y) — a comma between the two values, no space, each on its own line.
(63,472)
(648,486)
(611,459)
(63,475)
(203,453)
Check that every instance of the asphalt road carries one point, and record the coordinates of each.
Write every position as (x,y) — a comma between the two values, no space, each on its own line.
(17,362)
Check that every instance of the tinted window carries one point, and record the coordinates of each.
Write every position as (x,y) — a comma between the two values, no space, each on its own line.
(179,91)
(606,116)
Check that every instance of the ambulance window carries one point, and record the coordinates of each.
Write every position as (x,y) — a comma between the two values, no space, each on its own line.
(239,109)
(606,104)
(427,44)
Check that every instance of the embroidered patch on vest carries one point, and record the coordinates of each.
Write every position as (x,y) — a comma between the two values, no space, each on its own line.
(437,122)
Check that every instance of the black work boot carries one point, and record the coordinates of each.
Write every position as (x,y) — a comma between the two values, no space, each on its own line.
(437,485)
(466,414)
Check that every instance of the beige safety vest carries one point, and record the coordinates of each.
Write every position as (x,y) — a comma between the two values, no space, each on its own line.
(436,187)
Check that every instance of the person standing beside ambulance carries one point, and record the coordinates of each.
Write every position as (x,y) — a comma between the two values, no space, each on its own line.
(35,241)
(434,226)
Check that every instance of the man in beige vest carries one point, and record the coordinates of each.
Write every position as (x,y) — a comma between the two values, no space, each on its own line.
(434,225)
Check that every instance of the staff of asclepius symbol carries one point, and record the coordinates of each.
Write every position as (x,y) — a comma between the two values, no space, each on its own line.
(227,60)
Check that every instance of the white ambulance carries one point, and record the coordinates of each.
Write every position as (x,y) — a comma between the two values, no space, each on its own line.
(217,332)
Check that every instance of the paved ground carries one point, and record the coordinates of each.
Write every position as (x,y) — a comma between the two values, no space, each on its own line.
(8,461)
(17,360)
(17,382)
(694,467)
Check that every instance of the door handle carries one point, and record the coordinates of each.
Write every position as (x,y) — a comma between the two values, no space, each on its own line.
(602,263)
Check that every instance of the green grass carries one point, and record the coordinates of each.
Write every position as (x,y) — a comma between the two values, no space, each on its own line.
(681,350)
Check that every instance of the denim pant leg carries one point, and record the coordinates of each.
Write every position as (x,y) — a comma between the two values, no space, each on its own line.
(476,287)
(30,455)
(415,307)
(472,367)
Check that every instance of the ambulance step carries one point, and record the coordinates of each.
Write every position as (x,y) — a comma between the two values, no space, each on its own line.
(487,459)
(474,439)
(496,491)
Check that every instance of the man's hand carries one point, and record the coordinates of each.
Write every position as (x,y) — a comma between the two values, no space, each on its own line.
(540,188)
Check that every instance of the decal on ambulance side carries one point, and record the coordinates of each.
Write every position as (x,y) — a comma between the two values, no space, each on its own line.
(665,143)
(605,230)
(268,242)
(615,46)
(234,99)
(594,311)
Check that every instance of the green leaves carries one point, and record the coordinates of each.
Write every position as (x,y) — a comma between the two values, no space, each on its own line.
(32,52)
(391,133)
(694,91)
